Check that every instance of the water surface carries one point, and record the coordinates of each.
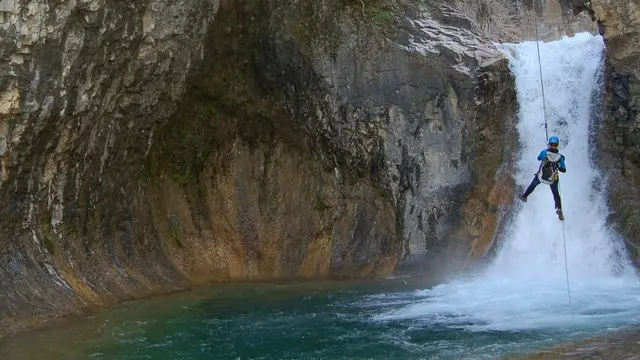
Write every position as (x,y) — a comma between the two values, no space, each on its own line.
(390,319)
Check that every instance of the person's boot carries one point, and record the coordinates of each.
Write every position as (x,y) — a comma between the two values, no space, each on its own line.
(523,198)
(560,214)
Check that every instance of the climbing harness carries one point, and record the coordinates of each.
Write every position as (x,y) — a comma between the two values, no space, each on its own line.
(546,130)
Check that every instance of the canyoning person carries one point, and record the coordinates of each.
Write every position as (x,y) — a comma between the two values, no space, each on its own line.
(551,161)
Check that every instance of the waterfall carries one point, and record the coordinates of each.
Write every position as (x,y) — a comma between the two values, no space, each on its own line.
(524,288)
(533,245)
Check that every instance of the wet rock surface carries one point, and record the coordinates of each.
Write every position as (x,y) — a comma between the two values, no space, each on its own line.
(615,347)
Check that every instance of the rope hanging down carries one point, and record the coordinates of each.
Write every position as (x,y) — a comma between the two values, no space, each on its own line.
(544,105)
(546,130)
(566,269)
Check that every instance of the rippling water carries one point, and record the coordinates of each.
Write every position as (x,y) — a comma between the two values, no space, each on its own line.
(392,319)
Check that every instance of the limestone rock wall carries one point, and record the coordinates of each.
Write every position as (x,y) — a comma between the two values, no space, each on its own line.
(150,146)
(412,112)
(83,87)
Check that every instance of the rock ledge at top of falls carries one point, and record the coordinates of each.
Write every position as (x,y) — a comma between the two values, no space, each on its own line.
(516,20)
(147,147)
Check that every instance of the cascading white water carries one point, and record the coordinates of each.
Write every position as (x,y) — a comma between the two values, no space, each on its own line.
(524,288)
(534,245)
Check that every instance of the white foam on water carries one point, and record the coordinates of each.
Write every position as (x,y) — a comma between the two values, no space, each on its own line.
(524,288)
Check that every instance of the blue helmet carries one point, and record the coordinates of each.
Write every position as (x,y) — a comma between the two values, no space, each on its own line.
(554,140)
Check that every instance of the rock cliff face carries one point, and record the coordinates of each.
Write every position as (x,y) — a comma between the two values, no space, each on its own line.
(516,20)
(150,146)
(84,85)
(619,134)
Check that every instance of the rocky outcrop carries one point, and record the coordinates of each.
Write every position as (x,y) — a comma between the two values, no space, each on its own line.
(152,146)
(516,20)
(618,139)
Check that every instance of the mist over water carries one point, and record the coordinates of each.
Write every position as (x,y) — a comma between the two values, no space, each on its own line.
(524,287)
(534,243)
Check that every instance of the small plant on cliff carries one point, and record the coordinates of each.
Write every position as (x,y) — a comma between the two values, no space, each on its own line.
(376,10)
(382,17)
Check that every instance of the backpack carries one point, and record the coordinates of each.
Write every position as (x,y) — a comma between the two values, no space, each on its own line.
(548,171)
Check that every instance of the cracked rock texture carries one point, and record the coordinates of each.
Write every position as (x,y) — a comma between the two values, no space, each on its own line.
(153,145)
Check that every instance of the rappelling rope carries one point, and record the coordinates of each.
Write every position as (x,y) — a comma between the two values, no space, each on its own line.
(546,130)
(544,105)
(566,269)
